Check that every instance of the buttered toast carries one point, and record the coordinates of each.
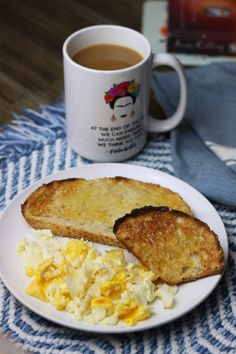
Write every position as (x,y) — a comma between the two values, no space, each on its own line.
(175,246)
(87,209)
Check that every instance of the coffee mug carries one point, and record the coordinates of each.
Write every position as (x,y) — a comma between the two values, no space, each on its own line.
(107,111)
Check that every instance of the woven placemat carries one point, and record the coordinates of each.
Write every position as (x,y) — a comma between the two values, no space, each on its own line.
(34,146)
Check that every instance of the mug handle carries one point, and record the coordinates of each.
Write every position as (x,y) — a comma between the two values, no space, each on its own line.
(159,125)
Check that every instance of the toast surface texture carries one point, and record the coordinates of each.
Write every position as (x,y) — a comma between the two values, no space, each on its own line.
(177,247)
(83,208)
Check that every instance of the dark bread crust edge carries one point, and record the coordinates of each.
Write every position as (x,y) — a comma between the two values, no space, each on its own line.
(142,211)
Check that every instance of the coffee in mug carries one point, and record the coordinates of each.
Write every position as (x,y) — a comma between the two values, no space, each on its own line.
(107,74)
(107,57)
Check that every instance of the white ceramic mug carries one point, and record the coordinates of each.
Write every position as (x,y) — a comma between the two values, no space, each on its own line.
(94,97)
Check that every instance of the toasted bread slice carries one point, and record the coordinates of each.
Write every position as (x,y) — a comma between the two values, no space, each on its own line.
(88,208)
(175,246)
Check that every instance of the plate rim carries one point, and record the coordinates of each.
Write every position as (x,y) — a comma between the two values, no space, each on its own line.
(98,328)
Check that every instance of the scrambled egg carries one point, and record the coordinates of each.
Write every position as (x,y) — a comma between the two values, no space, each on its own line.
(96,287)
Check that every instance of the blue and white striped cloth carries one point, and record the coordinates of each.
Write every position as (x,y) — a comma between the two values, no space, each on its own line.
(36,146)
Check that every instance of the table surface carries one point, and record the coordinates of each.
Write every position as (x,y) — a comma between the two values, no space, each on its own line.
(31,38)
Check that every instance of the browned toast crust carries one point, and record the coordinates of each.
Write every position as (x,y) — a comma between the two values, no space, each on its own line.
(87,209)
(174,245)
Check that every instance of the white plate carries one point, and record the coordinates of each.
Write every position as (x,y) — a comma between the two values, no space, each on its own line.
(13,227)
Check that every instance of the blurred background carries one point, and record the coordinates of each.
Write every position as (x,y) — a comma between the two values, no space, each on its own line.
(32,33)
(31,38)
